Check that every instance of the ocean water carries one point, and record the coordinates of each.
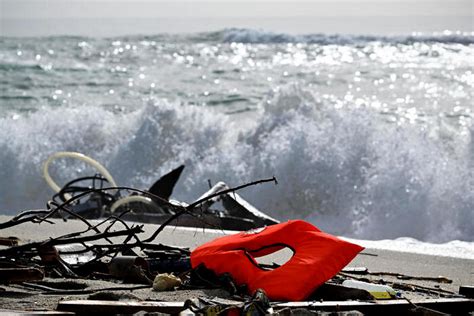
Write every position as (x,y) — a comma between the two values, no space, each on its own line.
(370,137)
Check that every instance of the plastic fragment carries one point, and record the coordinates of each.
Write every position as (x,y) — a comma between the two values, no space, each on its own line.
(166,282)
(378,291)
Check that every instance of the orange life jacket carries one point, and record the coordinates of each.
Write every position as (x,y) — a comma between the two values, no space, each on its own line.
(317,257)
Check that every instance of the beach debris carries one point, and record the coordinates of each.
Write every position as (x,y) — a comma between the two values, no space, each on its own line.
(98,196)
(202,277)
(235,205)
(404,286)
(167,261)
(400,276)
(164,186)
(75,254)
(110,255)
(113,296)
(331,291)
(17,275)
(355,270)
(258,305)
(106,307)
(108,249)
(46,286)
(198,306)
(210,306)
(87,251)
(467,291)
(166,282)
(307,312)
(37,313)
(68,287)
(378,291)
(9,241)
(50,257)
(461,306)
(254,306)
(317,256)
(423,289)
(130,269)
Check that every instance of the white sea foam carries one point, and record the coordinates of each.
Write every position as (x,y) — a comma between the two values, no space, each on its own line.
(454,248)
(348,171)
(369,140)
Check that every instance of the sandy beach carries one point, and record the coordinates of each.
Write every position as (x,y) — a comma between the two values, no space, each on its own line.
(460,271)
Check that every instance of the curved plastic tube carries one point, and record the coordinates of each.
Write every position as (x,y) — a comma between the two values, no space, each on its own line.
(75,155)
(130,199)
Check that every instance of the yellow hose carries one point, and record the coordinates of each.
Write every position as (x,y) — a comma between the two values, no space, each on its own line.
(102,170)
(75,155)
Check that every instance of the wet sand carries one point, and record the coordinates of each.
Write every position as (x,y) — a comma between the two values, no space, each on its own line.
(460,271)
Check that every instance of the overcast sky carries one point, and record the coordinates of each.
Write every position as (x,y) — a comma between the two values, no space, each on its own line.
(222,8)
(21,17)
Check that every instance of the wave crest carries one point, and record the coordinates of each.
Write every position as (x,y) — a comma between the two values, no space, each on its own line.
(266,37)
(346,169)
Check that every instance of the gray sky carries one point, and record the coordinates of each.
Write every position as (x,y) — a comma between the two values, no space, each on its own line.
(38,17)
(230,8)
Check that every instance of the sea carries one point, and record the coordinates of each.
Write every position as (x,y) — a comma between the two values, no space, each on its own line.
(370,137)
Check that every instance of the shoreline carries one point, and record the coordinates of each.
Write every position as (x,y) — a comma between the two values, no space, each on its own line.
(172,233)
(373,258)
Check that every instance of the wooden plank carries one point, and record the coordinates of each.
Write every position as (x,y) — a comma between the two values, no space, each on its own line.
(460,305)
(12,275)
(33,313)
(9,241)
(88,307)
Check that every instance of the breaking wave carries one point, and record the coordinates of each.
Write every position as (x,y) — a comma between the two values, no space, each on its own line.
(259,36)
(348,170)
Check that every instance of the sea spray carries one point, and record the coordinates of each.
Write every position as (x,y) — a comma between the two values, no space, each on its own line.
(369,137)
(348,170)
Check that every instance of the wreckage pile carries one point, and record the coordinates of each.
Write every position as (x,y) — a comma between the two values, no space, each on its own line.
(99,196)
(109,268)
(114,252)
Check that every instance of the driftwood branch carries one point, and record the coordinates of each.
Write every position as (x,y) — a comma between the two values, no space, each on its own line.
(60,241)
(209,197)
(74,214)
(24,217)
(54,291)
